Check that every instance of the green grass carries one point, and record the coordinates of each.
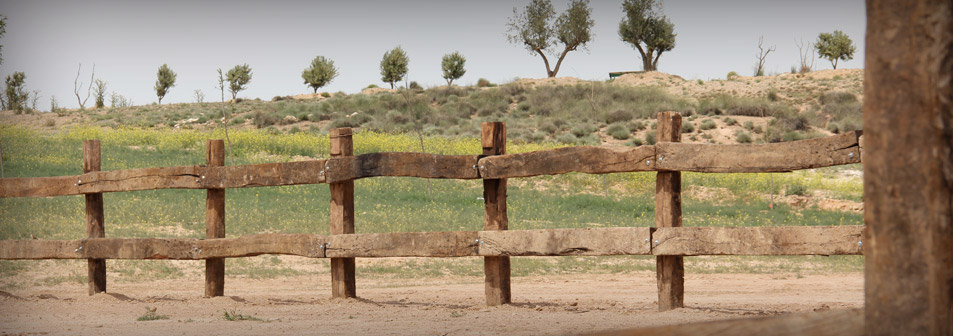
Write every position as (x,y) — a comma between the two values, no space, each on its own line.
(381,204)
(151,315)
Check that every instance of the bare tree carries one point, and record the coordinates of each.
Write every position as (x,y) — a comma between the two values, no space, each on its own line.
(34,100)
(805,67)
(225,117)
(762,55)
(89,89)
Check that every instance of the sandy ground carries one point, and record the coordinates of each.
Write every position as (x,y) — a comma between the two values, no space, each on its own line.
(569,304)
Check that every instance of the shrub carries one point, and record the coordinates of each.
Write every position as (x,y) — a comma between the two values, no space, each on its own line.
(796,189)
(415,86)
(548,127)
(635,126)
(618,131)
(650,138)
(688,127)
(731,75)
(566,138)
(707,124)
(326,94)
(372,86)
(792,136)
(701,82)
(261,120)
(618,115)
(730,122)
(634,142)
(483,82)
(743,137)
(749,125)
(773,95)
(792,122)
(837,97)
(583,130)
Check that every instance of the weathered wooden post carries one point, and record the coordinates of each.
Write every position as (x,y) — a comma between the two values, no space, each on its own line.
(668,213)
(497,269)
(215,221)
(908,168)
(342,217)
(95,217)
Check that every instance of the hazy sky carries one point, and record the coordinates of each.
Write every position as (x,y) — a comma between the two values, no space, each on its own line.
(129,40)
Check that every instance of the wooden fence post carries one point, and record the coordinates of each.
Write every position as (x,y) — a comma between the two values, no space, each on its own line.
(342,217)
(95,218)
(908,168)
(668,213)
(497,269)
(215,221)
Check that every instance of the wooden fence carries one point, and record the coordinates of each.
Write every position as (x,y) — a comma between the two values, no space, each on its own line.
(669,241)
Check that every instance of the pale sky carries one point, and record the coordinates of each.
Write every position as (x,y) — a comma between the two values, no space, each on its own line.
(129,40)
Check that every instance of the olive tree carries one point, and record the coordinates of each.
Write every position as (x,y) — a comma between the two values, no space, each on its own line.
(165,81)
(834,47)
(394,66)
(453,67)
(539,30)
(647,30)
(238,78)
(320,73)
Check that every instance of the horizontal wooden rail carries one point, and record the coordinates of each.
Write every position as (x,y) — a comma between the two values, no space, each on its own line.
(779,240)
(839,322)
(788,240)
(778,157)
(763,158)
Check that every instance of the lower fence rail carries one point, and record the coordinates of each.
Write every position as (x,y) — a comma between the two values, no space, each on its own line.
(684,241)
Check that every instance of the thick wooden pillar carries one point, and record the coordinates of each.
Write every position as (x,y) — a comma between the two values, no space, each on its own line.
(669,270)
(215,221)
(497,269)
(908,168)
(342,217)
(95,217)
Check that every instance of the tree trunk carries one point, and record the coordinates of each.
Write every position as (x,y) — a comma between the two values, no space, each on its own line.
(647,63)
(549,73)
(160,100)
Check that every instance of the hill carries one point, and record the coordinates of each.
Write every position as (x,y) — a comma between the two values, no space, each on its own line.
(565,110)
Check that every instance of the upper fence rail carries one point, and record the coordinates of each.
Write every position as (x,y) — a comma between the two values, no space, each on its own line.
(672,156)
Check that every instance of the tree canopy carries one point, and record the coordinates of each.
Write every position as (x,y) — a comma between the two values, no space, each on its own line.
(453,67)
(238,78)
(165,81)
(320,73)
(834,47)
(394,66)
(646,29)
(16,93)
(538,29)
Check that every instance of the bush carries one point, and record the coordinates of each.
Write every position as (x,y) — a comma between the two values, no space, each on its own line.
(730,122)
(548,127)
(635,126)
(773,95)
(749,125)
(796,189)
(618,131)
(415,86)
(792,122)
(650,138)
(688,127)
(618,115)
(326,94)
(707,124)
(483,82)
(566,138)
(372,86)
(837,97)
(743,137)
(792,136)
(731,75)
(583,130)
(634,142)
(261,120)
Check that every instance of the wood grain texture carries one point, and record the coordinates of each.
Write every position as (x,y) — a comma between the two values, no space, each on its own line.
(846,322)
(215,221)
(670,270)
(566,242)
(403,244)
(183,177)
(343,281)
(784,240)
(585,159)
(775,157)
(165,248)
(496,268)
(402,164)
(908,169)
(95,218)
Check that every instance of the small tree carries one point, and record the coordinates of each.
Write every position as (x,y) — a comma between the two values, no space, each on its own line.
(321,72)
(238,78)
(802,52)
(646,29)
(394,66)
(54,106)
(199,96)
(538,29)
(77,88)
(165,81)
(16,94)
(834,47)
(452,66)
(3,31)
(762,56)
(100,92)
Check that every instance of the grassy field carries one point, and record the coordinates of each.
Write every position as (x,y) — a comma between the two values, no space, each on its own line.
(390,204)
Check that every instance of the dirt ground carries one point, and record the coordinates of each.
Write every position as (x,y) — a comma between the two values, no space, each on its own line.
(566,304)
